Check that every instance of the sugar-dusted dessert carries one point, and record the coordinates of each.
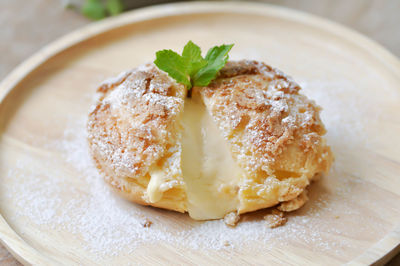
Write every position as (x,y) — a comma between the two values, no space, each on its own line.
(246,141)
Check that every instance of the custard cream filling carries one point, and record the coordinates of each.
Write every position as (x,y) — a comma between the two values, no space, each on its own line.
(209,171)
(210,174)
(154,188)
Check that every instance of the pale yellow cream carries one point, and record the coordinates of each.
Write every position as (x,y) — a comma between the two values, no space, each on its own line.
(154,188)
(210,174)
(209,171)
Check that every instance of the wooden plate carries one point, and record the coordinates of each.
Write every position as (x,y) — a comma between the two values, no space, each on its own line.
(56,210)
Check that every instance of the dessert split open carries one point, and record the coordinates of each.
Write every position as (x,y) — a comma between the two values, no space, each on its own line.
(246,141)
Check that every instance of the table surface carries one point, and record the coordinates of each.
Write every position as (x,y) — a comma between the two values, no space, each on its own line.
(26,26)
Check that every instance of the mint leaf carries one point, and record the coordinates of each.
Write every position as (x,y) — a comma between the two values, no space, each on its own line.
(192,55)
(216,59)
(191,69)
(114,7)
(174,65)
(94,9)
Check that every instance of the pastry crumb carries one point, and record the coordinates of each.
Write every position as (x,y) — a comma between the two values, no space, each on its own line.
(227,244)
(231,219)
(275,219)
(147,223)
(277,212)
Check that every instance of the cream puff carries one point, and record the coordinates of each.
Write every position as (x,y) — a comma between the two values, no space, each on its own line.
(249,140)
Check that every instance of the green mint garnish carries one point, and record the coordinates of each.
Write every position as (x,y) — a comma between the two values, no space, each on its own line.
(190,68)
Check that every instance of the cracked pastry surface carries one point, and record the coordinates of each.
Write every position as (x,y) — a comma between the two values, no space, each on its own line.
(247,141)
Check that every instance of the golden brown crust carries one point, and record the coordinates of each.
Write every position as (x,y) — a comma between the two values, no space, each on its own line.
(132,129)
(294,204)
(274,132)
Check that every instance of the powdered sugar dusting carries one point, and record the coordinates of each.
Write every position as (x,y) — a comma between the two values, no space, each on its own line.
(343,105)
(109,225)
(77,201)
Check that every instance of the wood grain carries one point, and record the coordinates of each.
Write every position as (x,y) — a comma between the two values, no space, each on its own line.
(49,86)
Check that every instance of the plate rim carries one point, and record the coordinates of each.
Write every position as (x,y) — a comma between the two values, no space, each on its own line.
(379,253)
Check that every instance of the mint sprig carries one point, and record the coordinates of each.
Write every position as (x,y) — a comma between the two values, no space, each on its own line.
(190,68)
(99,9)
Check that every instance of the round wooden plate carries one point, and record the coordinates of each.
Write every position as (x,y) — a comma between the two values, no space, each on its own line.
(56,210)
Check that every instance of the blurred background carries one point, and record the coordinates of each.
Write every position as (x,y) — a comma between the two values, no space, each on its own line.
(28,25)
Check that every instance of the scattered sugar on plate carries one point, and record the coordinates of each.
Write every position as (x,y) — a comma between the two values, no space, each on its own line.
(107,224)
(82,204)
